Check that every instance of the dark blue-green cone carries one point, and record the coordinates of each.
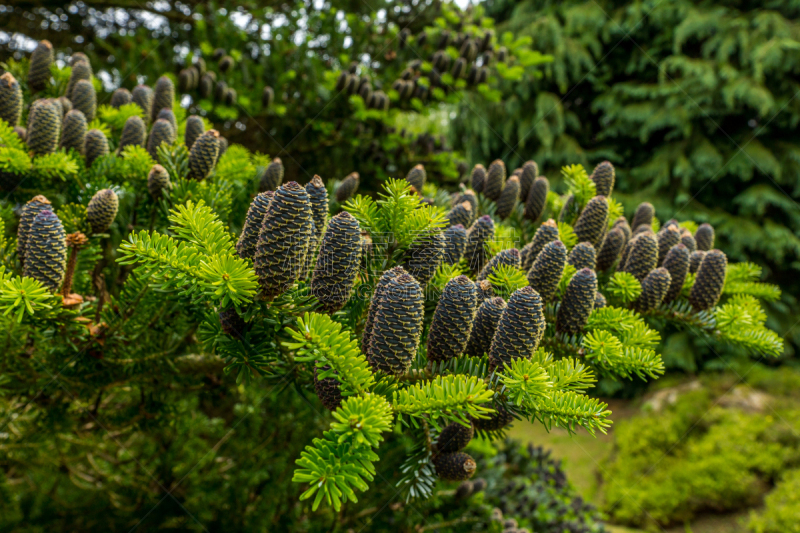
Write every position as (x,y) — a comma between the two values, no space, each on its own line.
(46,250)
(654,290)
(39,70)
(496,421)
(470,197)
(134,133)
(377,296)
(530,171)
(643,256)
(577,303)
(66,105)
(203,155)
(688,240)
(704,237)
(536,198)
(158,182)
(593,221)
(142,96)
(452,320)
(677,264)
(485,326)
(169,116)
(709,282)
(10,99)
(583,255)
(622,224)
(520,329)
(495,180)
(163,96)
(416,177)
(120,97)
(424,256)
(194,129)
(318,195)
(667,237)
(603,177)
(73,131)
(102,210)
(612,247)
(95,145)
(509,257)
(232,323)
(460,214)
(398,326)
(161,132)
(508,198)
(644,215)
(272,177)
(478,178)
(455,242)
(481,232)
(248,240)
(347,187)
(328,391)
(695,259)
(454,438)
(569,211)
(547,268)
(81,70)
(337,263)
(27,216)
(84,99)
(456,466)
(547,232)
(44,128)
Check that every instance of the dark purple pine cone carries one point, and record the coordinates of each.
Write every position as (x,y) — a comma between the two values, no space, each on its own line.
(44,127)
(81,70)
(520,329)
(424,256)
(460,214)
(508,257)
(39,70)
(161,132)
(272,177)
(455,242)
(480,233)
(577,303)
(546,271)
(593,221)
(495,180)
(547,232)
(452,320)
(485,326)
(667,237)
(456,466)
(654,289)
(318,195)
(530,171)
(398,326)
(677,264)
(695,258)
(102,210)
(478,178)
(10,99)
(612,247)
(134,133)
(203,155)
(416,177)
(709,282)
(508,198)
(644,215)
(232,323)
(95,146)
(27,216)
(643,256)
(46,250)
(283,240)
(347,187)
(377,296)
(337,263)
(622,224)
(84,99)
(704,237)
(73,131)
(194,129)
(603,178)
(496,421)
(536,198)
(120,97)
(454,438)
(163,97)
(158,181)
(583,255)
(328,391)
(688,240)
(142,96)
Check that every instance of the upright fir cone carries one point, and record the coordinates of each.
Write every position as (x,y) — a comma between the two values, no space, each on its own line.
(536,198)
(643,256)
(622,224)
(102,210)
(485,290)
(45,125)
(134,133)
(478,178)
(454,438)
(59,106)
(644,215)
(688,240)
(508,257)
(337,263)
(10,99)
(470,197)
(424,256)
(452,320)
(27,216)
(66,105)
(495,180)
(318,196)
(654,290)
(695,258)
(577,303)
(81,71)
(84,99)
(203,155)
(267,96)
(455,242)
(485,326)
(599,300)
(142,96)
(248,240)
(39,70)
(667,237)
(456,466)
(120,97)
(73,131)
(232,323)
(163,96)
(547,232)
(494,422)
(677,264)
(272,177)
(158,182)
(194,129)
(347,187)
(672,222)
(416,177)
(603,177)
(77,56)
(283,240)
(161,132)
(460,214)
(328,390)
(520,329)
(377,297)
(612,247)
(46,252)
(95,145)
(583,255)
(593,221)
(709,282)
(508,198)
(169,116)
(547,269)
(206,87)
(530,171)
(398,326)
(569,211)
(704,237)
(481,232)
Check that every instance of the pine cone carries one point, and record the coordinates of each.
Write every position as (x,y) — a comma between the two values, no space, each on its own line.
(481,232)
(454,437)
(66,105)
(612,247)
(452,320)
(318,195)
(102,210)
(470,197)
(120,97)
(485,291)
(654,289)
(495,180)
(328,391)
(84,99)
(424,256)
(39,70)
(536,198)
(583,255)
(454,466)
(464,490)
(377,297)
(599,300)
(347,187)
(455,242)
(577,303)
(27,216)
(460,214)
(520,329)
(603,178)
(272,177)
(704,237)
(194,129)
(206,86)
(547,270)
(267,96)
(248,240)
(593,221)
(677,264)
(225,64)
(73,131)
(283,240)
(478,178)
(46,250)
(232,323)
(95,145)
(622,224)
(496,421)
(643,256)
(134,133)
(569,211)
(161,132)
(530,171)
(229,96)
(223,147)
(709,282)
(76,57)
(169,116)
(547,232)
(10,99)
(163,97)
(416,177)
(142,96)
(338,262)
(45,125)
(688,240)
(644,215)
(203,155)
(81,71)
(508,198)
(695,258)
(508,257)
(158,181)
(398,326)
(667,237)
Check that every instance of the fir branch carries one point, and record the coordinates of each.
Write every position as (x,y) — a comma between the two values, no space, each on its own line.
(452,398)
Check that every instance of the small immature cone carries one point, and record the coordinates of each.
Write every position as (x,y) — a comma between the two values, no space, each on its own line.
(508,198)
(643,256)
(39,71)
(485,326)
(654,289)
(416,177)
(267,96)
(509,257)
(593,221)
(644,215)
(73,131)
(667,237)
(424,256)
(454,438)
(496,421)
(688,240)
(677,264)
(161,132)
(248,240)
(194,129)
(337,263)
(84,99)
(460,214)
(398,326)
(547,269)
(102,210)
(495,180)
(456,466)
(478,178)
(695,258)
(10,99)
(452,320)
(120,97)
(95,145)
(603,177)
(81,71)
(583,255)
(622,224)
(599,300)
(377,297)
(547,232)
(530,171)
(481,232)
(318,195)
(232,323)
(536,198)
(612,247)
(272,177)
(225,64)
(577,303)
(203,155)
(163,96)
(709,282)
(470,197)
(46,253)
(455,242)
(169,116)
(704,237)
(520,329)
(158,181)
(142,96)
(347,187)
(44,128)
(27,216)
(328,391)
(134,133)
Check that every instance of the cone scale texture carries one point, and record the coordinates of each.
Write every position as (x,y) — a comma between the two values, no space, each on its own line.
(95,145)
(39,71)
(622,224)
(27,216)
(603,177)
(10,99)
(157,181)
(338,262)
(460,214)
(508,257)
(688,240)
(654,289)
(161,132)
(667,237)
(424,256)
(536,198)
(612,247)
(704,237)
(194,129)
(142,96)
(44,128)
(478,178)
(643,256)
(203,155)
(328,391)
(456,466)
(644,215)
(481,232)
(583,255)
(547,270)
(73,131)
(134,133)
(248,240)
(318,195)
(120,97)
(495,180)
(593,221)
(398,326)
(577,303)
(163,96)
(520,328)
(470,197)
(377,297)
(485,290)
(695,258)
(508,198)
(273,176)
(455,242)
(530,171)
(84,99)
(81,71)
(485,326)
(452,320)
(677,264)
(46,251)
(709,282)
(454,438)
(547,232)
